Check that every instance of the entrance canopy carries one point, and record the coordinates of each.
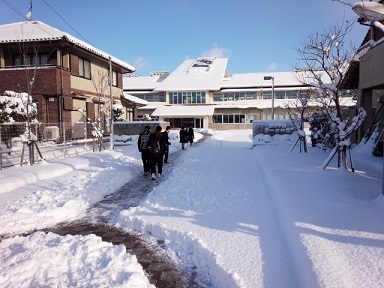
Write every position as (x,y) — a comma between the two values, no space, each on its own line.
(184,111)
(133,101)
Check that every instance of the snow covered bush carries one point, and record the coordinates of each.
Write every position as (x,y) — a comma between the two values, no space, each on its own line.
(118,110)
(16,107)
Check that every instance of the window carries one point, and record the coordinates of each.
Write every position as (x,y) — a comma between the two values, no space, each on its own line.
(218,97)
(267,95)
(238,96)
(151,97)
(280,95)
(114,78)
(84,68)
(291,94)
(30,59)
(187,97)
(229,118)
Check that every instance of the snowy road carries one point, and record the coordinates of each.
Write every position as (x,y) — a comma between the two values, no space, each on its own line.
(285,262)
(265,217)
(239,217)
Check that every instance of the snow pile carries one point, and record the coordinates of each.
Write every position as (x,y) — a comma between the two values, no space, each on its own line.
(68,261)
(260,139)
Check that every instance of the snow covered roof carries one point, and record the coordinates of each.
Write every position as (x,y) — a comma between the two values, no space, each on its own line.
(39,31)
(140,82)
(209,74)
(134,99)
(178,110)
(257,80)
(204,73)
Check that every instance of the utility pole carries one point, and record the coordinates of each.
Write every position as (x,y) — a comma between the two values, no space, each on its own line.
(111,99)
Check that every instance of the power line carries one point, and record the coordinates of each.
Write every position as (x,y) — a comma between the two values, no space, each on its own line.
(25,17)
(58,14)
(14,9)
(37,23)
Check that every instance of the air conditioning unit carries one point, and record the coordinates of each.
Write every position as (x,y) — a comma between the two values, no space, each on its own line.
(51,133)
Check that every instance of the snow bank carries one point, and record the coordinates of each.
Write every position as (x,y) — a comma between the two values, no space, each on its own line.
(50,260)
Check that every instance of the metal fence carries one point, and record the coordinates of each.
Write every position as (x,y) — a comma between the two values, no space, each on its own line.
(49,141)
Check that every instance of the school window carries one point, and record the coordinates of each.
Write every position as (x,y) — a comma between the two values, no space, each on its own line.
(292,94)
(237,96)
(159,97)
(267,95)
(229,118)
(280,95)
(218,97)
(187,97)
(84,68)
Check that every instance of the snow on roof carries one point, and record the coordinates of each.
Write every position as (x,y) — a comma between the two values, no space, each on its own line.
(178,110)
(39,31)
(134,99)
(208,74)
(204,73)
(257,80)
(140,82)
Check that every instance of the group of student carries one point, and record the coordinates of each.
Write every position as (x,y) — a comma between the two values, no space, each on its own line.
(154,148)
(186,135)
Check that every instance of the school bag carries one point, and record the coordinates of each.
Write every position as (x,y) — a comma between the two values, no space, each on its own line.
(144,142)
(155,145)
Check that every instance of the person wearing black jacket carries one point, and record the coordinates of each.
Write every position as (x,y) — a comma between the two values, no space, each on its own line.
(166,143)
(156,150)
(183,135)
(191,135)
(143,146)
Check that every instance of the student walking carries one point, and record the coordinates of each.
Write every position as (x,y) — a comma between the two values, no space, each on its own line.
(191,135)
(143,147)
(183,137)
(156,146)
(166,143)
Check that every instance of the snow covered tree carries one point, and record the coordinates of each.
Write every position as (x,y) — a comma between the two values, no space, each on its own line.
(297,111)
(100,81)
(326,57)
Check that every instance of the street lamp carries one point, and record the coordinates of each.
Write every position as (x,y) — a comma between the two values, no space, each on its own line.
(273,94)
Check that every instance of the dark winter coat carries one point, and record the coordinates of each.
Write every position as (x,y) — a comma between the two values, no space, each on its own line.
(156,143)
(166,138)
(183,136)
(191,134)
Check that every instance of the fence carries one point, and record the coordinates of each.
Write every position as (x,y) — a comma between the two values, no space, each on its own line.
(49,141)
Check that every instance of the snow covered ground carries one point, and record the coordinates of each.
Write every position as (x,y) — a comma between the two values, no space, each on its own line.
(261,217)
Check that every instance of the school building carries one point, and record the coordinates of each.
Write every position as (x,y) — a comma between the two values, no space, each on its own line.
(202,93)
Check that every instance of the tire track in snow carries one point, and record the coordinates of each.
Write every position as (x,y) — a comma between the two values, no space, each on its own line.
(286,263)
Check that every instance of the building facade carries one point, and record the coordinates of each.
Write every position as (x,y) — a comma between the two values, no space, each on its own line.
(366,75)
(201,93)
(67,78)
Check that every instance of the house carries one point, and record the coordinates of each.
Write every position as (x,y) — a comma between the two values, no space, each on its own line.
(366,74)
(67,78)
(201,93)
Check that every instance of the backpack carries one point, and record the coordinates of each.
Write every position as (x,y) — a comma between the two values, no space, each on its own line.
(155,144)
(156,149)
(144,142)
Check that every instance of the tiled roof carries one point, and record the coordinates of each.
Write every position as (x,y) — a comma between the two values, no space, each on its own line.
(39,31)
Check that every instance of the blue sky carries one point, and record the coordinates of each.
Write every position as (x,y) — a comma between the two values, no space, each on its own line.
(256,36)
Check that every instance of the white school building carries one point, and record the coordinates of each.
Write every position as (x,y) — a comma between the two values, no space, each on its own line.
(202,93)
